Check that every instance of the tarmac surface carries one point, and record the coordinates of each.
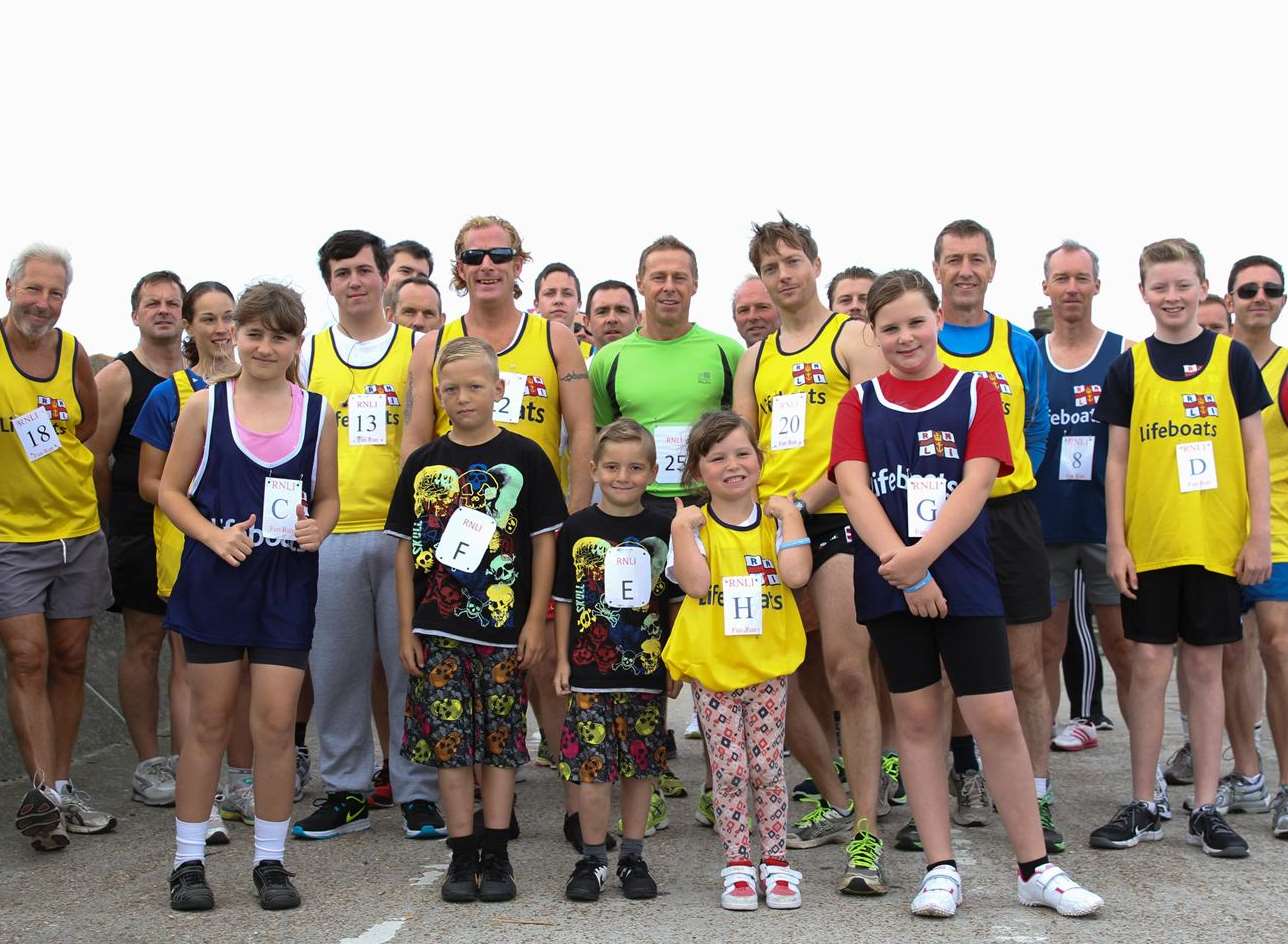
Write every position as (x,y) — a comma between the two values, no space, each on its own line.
(378,887)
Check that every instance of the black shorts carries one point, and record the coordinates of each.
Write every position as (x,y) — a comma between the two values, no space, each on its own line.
(666,506)
(132,560)
(1188,603)
(829,535)
(1019,558)
(204,653)
(973,649)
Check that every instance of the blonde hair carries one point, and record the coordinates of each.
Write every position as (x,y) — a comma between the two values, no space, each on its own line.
(465,348)
(1175,249)
(623,430)
(482,222)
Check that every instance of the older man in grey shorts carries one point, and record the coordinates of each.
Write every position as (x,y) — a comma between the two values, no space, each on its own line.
(53,558)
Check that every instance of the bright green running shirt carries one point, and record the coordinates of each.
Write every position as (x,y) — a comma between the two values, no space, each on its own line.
(665,386)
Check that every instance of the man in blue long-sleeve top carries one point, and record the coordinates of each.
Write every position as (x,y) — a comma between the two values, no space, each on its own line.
(974,339)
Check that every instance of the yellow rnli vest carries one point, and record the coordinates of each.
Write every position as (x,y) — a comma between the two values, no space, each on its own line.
(1187,495)
(532,355)
(52,497)
(168,538)
(814,373)
(997,364)
(698,647)
(367,473)
(1275,421)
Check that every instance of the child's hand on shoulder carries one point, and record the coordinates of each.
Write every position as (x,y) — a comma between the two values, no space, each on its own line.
(687,518)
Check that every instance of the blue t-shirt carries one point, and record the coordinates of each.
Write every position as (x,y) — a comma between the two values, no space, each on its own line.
(969,340)
(1072,507)
(155,424)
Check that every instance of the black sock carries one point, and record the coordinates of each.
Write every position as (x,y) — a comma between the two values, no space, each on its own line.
(963,748)
(465,846)
(1028,868)
(935,865)
(495,841)
(300,730)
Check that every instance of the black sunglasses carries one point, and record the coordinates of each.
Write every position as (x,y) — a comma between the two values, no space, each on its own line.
(1249,290)
(498,254)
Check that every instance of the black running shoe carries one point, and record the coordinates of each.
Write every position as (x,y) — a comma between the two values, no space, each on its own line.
(273,886)
(188,888)
(1130,825)
(462,880)
(587,880)
(421,820)
(336,814)
(908,839)
(496,877)
(632,872)
(1209,829)
(1103,722)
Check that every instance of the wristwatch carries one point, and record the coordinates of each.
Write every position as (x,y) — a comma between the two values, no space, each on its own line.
(800,506)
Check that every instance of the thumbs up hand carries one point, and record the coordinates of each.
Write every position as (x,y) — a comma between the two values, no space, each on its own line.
(233,544)
(307,533)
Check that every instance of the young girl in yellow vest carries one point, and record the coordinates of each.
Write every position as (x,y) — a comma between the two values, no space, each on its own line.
(738,636)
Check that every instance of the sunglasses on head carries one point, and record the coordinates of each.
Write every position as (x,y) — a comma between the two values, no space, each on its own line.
(1249,290)
(498,254)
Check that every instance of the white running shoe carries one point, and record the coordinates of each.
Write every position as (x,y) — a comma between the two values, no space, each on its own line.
(1077,735)
(154,782)
(739,888)
(216,831)
(79,816)
(781,885)
(303,766)
(940,893)
(691,730)
(239,802)
(1051,887)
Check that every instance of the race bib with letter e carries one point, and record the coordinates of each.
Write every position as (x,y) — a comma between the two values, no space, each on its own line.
(465,540)
(367,419)
(787,416)
(672,451)
(926,495)
(628,577)
(35,430)
(1076,454)
(281,497)
(509,408)
(742,605)
(1196,466)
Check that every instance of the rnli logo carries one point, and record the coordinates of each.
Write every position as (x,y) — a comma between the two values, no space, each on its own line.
(391,395)
(1191,370)
(1198,405)
(933,442)
(808,373)
(56,408)
(762,567)
(1086,394)
(535,387)
(997,379)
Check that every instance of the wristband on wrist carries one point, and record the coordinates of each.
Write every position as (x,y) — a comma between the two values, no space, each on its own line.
(798,542)
(800,505)
(919,584)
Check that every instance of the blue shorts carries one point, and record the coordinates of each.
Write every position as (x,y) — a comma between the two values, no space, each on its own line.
(1276,588)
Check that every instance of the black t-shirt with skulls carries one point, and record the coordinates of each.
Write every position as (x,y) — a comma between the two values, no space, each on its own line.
(507,487)
(611,647)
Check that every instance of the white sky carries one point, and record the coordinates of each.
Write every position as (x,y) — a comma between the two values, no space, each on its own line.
(227,141)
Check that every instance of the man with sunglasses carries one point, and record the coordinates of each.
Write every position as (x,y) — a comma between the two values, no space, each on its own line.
(1255,293)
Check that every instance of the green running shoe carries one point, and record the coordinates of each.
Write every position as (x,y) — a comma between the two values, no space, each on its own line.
(1054,838)
(705,814)
(864,874)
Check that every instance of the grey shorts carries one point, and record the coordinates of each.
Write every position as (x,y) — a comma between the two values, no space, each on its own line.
(66,579)
(1065,559)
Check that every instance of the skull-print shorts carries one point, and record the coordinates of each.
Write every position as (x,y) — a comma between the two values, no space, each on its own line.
(612,735)
(468,707)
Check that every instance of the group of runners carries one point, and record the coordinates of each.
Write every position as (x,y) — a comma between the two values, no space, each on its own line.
(430,523)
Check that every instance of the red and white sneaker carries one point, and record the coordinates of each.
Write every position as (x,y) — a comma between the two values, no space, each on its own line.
(781,884)
(381,796)
(1077,735)
(1053,887)
(739,887)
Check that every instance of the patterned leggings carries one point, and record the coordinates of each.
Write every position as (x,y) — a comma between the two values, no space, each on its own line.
(743,730)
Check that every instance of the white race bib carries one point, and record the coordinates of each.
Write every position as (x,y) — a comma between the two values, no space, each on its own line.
(35,430)
(1196,466)
(926,495)
(281,497)
(510,407)
(787,414)
(672,451)
(1076,455)
(628,577)
(367,419)
(742,615)
(465,540)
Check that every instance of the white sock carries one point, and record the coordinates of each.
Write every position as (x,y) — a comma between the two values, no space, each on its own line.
(270,839)
(60,785)
(1042,785)
(189,841)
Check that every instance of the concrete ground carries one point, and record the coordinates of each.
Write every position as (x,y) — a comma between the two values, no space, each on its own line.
(379,887)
